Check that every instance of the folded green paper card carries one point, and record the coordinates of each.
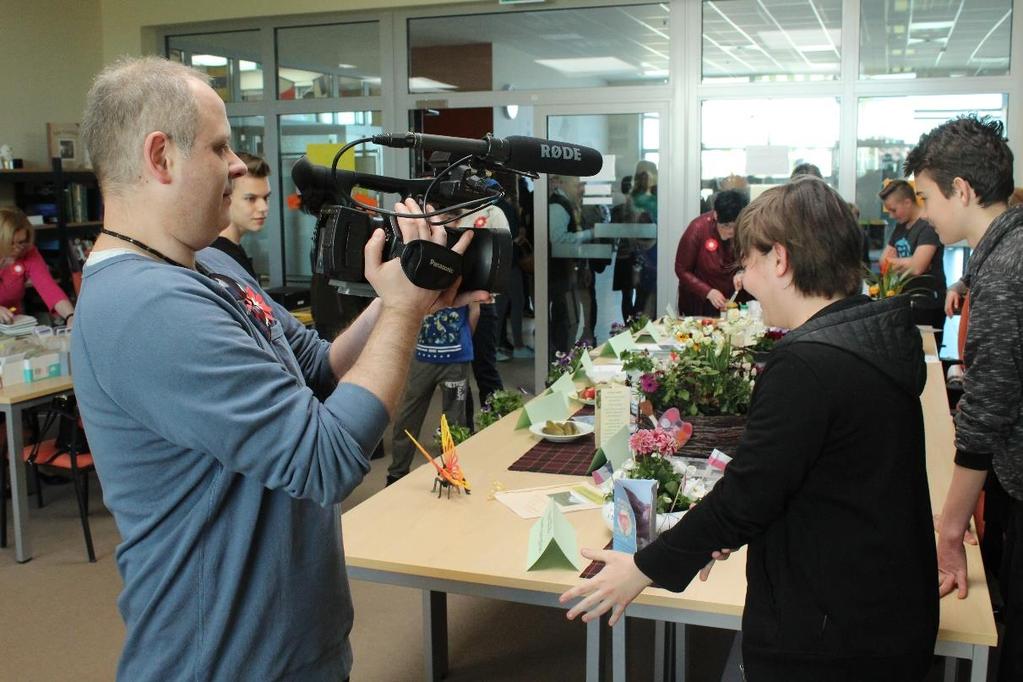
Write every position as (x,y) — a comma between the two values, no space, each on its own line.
(652,332)
(564,384)
(553,406)
(552,542)
(618,344)
(616,449)
(585,363)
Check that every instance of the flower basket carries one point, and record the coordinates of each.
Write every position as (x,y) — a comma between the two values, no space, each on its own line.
(722,432)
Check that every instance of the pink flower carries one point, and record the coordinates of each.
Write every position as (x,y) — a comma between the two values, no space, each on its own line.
(653,441)
(648,383)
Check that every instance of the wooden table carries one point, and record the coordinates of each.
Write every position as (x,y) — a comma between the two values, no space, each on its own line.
(13,402)
(471,545)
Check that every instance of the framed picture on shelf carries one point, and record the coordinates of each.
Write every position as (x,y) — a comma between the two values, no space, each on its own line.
(64,143)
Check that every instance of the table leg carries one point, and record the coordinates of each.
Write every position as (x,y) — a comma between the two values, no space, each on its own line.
(978,664)
(951,668)
(680,652)
(618,651)
(435,635)
(19,493)
(660,632)
(593,651)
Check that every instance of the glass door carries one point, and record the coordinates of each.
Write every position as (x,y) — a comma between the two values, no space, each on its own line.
(595,238)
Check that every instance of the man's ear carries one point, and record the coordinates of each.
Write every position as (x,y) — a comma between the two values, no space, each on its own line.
(157,156)
(964,191)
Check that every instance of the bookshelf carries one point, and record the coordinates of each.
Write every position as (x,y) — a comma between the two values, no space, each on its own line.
(70,202)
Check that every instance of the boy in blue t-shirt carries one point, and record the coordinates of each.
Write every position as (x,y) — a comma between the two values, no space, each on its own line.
(443,358)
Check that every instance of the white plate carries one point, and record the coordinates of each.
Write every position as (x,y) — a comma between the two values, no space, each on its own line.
(582,429)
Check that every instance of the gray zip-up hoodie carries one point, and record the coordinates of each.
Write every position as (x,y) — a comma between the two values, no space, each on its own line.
(989,423)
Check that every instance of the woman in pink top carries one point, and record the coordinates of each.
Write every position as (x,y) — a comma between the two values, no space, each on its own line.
(20,262)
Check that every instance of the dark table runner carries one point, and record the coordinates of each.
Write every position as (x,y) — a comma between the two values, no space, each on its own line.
(572,458)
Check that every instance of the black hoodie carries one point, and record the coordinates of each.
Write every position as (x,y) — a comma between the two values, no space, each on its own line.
(829,490)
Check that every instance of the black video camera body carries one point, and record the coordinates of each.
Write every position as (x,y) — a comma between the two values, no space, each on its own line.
(342,233)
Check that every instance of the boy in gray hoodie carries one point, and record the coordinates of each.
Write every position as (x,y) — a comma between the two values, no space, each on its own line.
(963,172)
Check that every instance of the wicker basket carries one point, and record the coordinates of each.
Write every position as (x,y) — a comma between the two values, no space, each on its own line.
(722,432)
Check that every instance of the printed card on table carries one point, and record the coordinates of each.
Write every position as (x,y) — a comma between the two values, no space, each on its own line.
(553,406)
(613,411)
(634,515)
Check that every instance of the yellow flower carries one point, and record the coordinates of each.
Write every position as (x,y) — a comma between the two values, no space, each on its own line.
(889,293)
(874,290)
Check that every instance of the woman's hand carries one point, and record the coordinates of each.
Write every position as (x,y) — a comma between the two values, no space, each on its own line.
(613,589)
(717,299)
(6,315)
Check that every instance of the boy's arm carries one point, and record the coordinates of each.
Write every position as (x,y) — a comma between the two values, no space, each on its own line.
(474,316)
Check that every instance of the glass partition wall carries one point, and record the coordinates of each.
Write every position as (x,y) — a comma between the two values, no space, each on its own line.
(731,91)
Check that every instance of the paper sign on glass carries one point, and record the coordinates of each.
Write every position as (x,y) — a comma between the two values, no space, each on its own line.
(553,406)
(552,542)
(618,344)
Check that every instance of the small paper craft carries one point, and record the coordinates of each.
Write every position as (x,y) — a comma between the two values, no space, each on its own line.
(634,515)
(552,542)
(718,460)
(603,470)
(553,406)
(671,421)
(564,384)
(618,344)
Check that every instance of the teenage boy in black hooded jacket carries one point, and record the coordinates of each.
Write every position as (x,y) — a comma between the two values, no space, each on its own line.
(829,486)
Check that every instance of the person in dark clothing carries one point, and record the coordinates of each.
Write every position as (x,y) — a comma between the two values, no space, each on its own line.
(963,171)
(834,505)
(704,262)
(250,196)
(914,247)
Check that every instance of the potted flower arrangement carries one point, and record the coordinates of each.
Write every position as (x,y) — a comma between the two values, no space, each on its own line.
(567,362)
(498,404)
(889,282)
(677,491)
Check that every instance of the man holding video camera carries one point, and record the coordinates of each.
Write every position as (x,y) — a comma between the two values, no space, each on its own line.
(224,434)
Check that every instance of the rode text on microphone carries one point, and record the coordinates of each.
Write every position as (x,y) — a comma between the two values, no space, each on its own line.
(345,225)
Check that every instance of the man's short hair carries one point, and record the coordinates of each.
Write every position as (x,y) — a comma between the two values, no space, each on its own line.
(970,148)
(900,188)
(130,99)
(729,204)
(256,166)
(817,229)
(806,169)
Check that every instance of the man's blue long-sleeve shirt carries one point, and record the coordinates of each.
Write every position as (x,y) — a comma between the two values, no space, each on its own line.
(222,469)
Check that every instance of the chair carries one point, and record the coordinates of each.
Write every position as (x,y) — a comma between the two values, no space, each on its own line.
(68,451)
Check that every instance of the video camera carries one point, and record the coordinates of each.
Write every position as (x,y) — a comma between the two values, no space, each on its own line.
(345,225)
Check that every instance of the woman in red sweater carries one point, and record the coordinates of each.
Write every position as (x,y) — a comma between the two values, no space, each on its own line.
(20,263)
(704,262)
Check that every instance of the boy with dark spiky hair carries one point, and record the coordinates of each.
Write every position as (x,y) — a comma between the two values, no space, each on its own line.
(963,172)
